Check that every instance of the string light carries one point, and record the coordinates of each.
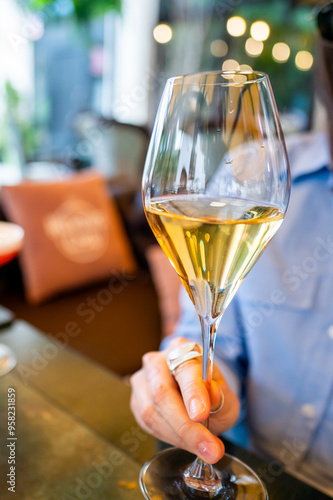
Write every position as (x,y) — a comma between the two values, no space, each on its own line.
(253,47)
(245,68)
(281,52)
(162,33)
(230,65)
(260,31)
(303,60)
(219,48)
(236,26)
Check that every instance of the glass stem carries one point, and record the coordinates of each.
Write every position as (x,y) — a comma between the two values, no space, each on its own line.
(201,476)
(208,343)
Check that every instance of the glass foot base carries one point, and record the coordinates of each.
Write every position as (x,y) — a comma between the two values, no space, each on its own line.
(161,478)
(7,359)
(203,477)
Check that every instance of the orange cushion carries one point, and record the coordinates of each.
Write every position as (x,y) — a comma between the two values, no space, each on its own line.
(73,234)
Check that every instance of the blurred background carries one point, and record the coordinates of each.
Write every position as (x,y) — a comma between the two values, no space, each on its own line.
(74,73)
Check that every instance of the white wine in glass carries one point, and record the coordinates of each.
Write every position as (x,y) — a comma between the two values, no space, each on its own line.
(216,187)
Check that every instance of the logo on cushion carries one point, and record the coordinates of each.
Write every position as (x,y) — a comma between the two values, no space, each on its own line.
(79,230)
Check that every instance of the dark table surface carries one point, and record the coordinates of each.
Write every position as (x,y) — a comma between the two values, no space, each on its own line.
(75,437)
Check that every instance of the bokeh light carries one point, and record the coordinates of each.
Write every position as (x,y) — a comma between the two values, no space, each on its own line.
(253,47)
(303,60)
(260,31)
(162,33)
(281,52)
(236,26)
(246,68)
(230,65)
(219,48)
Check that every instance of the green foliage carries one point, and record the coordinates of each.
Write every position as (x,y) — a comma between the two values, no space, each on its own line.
(12,97)
(15,122)
(85,9)
(82,9)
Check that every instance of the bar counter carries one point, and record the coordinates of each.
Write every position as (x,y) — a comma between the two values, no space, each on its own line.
(74,436)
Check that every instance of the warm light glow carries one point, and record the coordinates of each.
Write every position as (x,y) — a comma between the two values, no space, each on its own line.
(236,26)
(245,68)
(230,65)
(281,52)
(253,47)
(162,33)
(303,60)
(260,31)
(219,48)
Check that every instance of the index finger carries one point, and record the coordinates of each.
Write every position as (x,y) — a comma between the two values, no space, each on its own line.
(197,395)
(193,389)
(191,436)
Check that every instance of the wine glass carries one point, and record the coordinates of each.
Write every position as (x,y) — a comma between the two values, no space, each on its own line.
(11,239)
(216,187)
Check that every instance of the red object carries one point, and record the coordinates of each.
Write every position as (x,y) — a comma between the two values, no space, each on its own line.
(11,239)
(5,258)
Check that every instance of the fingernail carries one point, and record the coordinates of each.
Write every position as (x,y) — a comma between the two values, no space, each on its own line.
(196,408)
(209,450)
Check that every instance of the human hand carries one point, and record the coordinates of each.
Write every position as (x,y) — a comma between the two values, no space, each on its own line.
(172,407)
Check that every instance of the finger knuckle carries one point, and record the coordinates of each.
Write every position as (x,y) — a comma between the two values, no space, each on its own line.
(151,362)
(159,393)
(192,366)
(191,387)
(134,378)
(148,416)
(190,384)
(148,358)
(183,430)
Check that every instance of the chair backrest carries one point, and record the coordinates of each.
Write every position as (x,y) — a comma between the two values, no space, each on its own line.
(117,149)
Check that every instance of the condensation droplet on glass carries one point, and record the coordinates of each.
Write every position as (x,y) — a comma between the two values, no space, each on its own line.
(231,109)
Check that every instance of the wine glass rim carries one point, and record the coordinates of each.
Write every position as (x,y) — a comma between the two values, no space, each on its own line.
(260,76)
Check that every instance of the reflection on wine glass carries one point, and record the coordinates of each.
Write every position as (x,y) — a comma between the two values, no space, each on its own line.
(215,189)
(11,239)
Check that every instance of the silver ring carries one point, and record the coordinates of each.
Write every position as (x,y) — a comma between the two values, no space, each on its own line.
(182,354)
(220,405)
